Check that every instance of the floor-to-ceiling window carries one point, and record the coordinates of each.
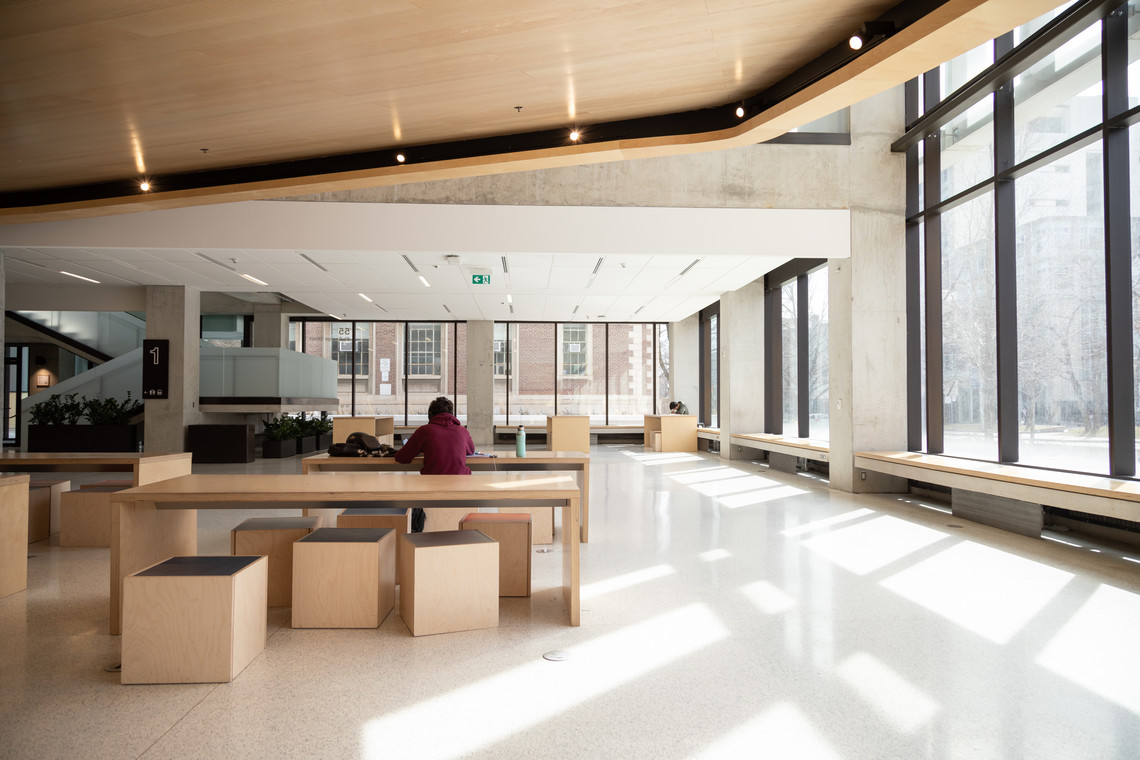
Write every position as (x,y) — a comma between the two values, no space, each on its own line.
(796,344)
(1030,319)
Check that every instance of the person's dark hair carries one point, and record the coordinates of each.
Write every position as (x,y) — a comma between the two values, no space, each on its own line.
(441,405)
(672,404)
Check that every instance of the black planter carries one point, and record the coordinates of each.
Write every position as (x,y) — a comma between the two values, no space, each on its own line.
(324,440)
(89,438)
(278,449)
(307,444)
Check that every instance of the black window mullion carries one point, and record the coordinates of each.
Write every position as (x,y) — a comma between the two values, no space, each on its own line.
(1118,253)
(407,341)
(773,362)
(932,229)
(802,398)
(913,283)
(1005,266)
(606,367)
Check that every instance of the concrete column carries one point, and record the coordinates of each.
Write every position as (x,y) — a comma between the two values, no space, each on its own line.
(173,313)
(481,382)
(684,363)
(741,366)
(270,327)
(867,301)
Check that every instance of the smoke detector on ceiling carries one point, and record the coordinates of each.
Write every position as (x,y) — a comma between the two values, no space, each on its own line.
(453,259)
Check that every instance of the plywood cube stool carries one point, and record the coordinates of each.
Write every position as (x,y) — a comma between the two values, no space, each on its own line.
(327,515)
(344,578)
(13,534)
(542,522)
(512,532)
(43,507)
(85,515)
(193,619)
(273,537)
(394,518)
(449,582)
(568,432)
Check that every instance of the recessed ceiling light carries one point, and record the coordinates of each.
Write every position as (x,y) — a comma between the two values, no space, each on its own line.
(856,42)
(740,112)
(80,277)
(366,298)
(144,186)
(574,135)
(400,158)
(509,299)
(334,316)
(424,281)
(251,278)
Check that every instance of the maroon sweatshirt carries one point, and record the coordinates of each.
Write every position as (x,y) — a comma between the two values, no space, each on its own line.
(445,444)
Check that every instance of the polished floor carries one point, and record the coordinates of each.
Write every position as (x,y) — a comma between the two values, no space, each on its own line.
(727,612)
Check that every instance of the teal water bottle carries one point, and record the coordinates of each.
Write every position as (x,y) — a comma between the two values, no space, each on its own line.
(520,442)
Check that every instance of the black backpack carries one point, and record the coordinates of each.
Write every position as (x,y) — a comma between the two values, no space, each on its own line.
(346,450)
(369,443)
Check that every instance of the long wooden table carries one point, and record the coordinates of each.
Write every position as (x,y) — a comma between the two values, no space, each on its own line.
(144,468)
(504,461)
(153,522)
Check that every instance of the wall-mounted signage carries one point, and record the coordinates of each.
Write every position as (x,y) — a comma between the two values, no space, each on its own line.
(156,369)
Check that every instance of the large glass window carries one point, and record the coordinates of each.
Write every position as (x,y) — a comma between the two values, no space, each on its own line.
(714,370)
(664,377)
(1134,178)
(343,349)
(790,354)
(818,345)
(967,145)
(630,370)
(534,386)
(425,348)
(1061,328)
(1059,96)
(582,370)
(969,324)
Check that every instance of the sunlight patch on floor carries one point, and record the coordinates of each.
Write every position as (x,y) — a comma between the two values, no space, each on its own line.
(463,721)
(712,555)
(826,522)
(985,590)
(1096,648)
(870,545)
(617,583)
(752,498)
(894,698)
(782,731)
(771,599)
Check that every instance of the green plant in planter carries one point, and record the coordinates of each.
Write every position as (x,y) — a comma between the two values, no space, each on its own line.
(282,428)
(110,411)
(314,426)
(57,411)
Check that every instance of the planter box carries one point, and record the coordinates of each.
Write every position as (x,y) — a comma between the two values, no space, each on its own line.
(221,443)
(307,444)
(278,449)
(324,440)
(89,438)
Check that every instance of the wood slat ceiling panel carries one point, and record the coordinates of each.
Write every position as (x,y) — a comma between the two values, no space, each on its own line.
(107,89)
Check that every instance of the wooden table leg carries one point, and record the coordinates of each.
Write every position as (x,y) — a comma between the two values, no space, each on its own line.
(584,486)
(141,536)
(571,580)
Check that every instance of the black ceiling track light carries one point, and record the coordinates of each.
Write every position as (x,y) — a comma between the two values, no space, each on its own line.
(683,123)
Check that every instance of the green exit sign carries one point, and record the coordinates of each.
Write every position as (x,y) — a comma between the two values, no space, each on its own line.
(480,279)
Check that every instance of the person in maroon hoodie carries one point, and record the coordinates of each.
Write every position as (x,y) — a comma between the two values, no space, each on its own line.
(445,444)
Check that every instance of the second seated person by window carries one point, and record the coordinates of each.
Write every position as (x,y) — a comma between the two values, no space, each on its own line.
(444,443)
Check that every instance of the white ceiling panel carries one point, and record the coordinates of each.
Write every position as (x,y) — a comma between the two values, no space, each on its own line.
(641,259)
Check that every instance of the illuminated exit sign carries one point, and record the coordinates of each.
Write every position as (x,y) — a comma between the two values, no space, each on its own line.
(480,279)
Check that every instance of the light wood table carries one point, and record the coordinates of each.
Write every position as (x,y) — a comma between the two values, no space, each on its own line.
(144,468)
(568,432)
(678,431)
(576,462)
(153,522)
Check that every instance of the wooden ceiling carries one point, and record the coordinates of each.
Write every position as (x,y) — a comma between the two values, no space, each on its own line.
(116,90)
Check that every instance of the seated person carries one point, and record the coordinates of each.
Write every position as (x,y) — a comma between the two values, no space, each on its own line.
(678,407)
(445,444)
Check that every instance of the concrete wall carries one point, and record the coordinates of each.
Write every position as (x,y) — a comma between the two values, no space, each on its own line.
(684,348)
(480,381)
(757,176)
(173,313)
(741,363)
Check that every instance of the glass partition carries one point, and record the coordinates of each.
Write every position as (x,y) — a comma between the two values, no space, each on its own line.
(790,352)
(818,345)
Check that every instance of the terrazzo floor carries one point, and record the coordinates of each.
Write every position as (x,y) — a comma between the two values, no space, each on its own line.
(728,611)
